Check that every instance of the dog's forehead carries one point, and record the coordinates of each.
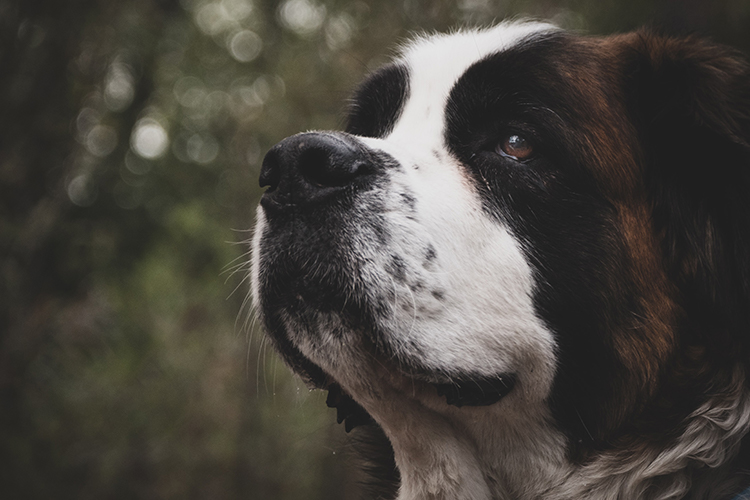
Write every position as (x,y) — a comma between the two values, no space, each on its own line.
(435,63)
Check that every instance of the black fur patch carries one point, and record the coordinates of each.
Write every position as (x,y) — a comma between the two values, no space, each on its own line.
(378,102)
(551,203)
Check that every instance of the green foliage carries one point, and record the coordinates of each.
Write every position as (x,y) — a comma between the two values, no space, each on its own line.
(130,143)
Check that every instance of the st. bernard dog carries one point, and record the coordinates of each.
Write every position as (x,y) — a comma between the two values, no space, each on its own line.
(525,265)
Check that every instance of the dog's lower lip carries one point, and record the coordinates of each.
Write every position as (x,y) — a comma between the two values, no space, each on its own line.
(482,391)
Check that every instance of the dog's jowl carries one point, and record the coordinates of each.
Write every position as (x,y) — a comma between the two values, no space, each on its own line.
(525,266)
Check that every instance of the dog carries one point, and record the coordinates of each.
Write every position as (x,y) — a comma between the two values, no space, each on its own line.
(525,265)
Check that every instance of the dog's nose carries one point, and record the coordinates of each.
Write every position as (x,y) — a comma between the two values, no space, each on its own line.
(311,166)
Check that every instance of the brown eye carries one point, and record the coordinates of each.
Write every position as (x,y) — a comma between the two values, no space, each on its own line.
(516,146)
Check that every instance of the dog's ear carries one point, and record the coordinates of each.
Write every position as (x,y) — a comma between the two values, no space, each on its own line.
(691,82)
(690,99)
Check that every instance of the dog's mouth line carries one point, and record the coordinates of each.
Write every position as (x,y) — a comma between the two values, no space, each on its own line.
(484,391)
(459,390)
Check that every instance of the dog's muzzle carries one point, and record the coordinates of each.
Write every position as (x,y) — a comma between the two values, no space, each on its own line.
(324,203)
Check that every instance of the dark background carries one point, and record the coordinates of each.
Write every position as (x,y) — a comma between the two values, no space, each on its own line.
(131,134)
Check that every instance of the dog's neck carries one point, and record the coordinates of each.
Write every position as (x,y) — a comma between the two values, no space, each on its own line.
(453,453)
(521,455)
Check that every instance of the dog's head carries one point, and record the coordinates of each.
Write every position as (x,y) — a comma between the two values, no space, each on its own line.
(525,243)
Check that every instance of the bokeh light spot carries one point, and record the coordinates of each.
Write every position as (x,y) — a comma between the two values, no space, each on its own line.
(302,16)
(216,101)
(202,148)
(189,91)
(87,119)
(119,87)
(149,139)
(339,31)
(101,140)
(212,18)
(237,9)
(82,190)
(245,46)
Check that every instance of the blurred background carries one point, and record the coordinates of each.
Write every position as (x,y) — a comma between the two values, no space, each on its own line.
(131,137)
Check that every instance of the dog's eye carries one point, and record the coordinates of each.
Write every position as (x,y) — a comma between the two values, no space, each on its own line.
(515,146)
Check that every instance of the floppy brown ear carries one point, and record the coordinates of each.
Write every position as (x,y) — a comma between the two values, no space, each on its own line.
(691,102)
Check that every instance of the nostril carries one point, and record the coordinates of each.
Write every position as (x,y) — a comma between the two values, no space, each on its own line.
(270,172)
(324,167)
(314,165)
